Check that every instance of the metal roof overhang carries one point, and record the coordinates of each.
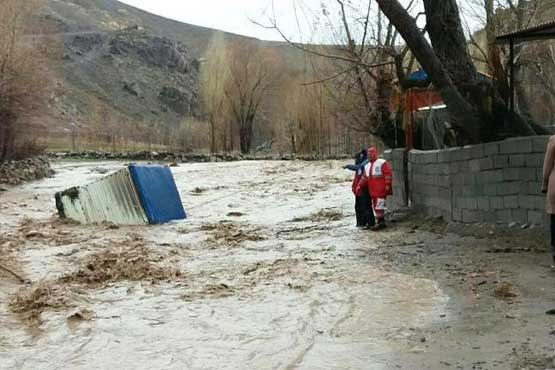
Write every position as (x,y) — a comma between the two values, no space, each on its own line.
(544,31)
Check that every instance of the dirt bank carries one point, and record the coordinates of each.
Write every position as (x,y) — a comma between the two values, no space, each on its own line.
(268,273)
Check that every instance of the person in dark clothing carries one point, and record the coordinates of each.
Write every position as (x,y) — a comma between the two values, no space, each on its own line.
(363,200)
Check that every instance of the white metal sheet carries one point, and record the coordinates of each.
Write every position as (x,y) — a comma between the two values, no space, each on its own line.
(111,199)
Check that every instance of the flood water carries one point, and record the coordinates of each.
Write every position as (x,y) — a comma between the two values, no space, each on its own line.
(275,276)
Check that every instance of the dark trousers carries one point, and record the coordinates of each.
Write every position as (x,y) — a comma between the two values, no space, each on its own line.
(363,209)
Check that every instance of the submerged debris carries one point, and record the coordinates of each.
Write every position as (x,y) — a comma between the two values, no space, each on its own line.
(321,216)
(29,303)
(231,234)
(504,291)
(130,261)
(133,262)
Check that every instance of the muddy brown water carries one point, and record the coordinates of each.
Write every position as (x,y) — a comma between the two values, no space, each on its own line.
(280,287)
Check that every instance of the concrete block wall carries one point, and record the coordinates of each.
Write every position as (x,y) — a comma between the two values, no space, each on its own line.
(496,182)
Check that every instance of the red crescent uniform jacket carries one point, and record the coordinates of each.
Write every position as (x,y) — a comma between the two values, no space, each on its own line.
(379,178)
(357,190)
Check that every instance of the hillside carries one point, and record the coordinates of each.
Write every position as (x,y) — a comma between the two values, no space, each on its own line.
(118,63)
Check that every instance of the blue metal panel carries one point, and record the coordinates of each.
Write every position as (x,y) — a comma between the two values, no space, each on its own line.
(422,75)
(158,193)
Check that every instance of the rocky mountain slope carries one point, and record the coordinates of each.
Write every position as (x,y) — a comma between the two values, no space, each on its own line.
(118,61)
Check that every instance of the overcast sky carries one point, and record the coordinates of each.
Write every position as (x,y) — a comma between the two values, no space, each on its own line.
(233,15)
(227,15)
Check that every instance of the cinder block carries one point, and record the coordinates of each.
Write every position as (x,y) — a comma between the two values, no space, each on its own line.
(489,216)
(519,215)
(503,215)
(460,202)
(474,165)
(491,148)
(527,174)
(510,202)
(484,204)
(496,203)
(469,179)
(511,174)
(456,155)
(444,169)
(430,157)
(500,161)
(539,144)
(477,151)
(539,174)
(516,145)
(517,160)
(537,217)
(471,203)
(491,189)
(533,188)
(471,216)
(466,153)
(490,177)
(534,160)
(539,202)
(457,215)
(486,164)
(526,201)
(443,156)
(508,188)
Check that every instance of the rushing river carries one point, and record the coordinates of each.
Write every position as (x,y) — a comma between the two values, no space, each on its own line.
(275,276)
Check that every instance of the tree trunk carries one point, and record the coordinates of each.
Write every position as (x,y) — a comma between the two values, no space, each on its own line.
(212,135)
(448,40)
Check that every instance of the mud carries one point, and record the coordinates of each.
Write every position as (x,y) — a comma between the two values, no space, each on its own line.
(269,272)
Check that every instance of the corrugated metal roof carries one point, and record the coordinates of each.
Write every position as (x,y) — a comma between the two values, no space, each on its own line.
(110,199)
(541,31)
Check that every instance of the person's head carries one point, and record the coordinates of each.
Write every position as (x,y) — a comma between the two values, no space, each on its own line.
(373,154)
(361,157)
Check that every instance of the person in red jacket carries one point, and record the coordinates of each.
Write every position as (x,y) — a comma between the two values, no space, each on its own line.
(363,202)
(378,177)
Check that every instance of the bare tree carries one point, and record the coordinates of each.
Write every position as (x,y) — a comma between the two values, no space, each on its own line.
(249,83)
(214,75)
(22,81)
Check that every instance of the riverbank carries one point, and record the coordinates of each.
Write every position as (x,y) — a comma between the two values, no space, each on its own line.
(188,157)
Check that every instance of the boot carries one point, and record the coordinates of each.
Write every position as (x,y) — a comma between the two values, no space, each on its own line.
(380,225)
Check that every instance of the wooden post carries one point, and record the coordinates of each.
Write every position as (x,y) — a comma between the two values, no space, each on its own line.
(512,81)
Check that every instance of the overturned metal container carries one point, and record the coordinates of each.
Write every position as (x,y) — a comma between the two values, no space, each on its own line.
(136,195)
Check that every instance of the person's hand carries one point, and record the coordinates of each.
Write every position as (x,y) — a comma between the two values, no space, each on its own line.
(388,189)
(544,190)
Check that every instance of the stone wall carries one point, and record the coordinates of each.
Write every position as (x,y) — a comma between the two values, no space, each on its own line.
(18,172)
(496,182)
